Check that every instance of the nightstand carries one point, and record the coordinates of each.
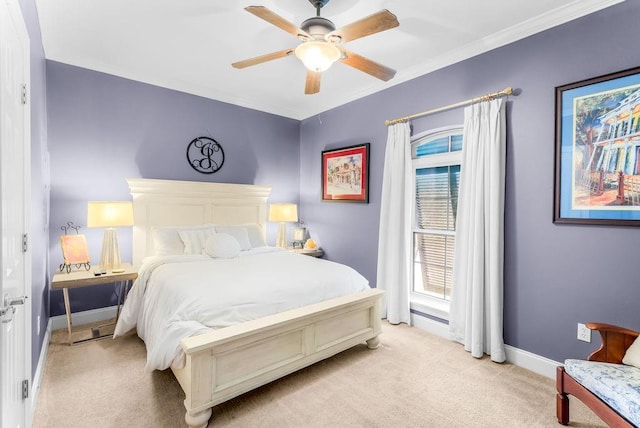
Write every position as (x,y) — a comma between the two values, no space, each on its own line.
(86,278)
(316,252)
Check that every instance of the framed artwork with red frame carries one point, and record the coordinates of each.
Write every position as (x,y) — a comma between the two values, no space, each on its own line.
(345,174)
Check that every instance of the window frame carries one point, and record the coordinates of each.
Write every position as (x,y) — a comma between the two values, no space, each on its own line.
(420,302)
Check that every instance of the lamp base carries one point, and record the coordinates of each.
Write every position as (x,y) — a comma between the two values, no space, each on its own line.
(281,240)
(110,259)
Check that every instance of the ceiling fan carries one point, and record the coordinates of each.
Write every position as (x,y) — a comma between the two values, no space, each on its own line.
(321,43)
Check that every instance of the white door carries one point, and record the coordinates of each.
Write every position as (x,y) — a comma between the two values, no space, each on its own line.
(15,160)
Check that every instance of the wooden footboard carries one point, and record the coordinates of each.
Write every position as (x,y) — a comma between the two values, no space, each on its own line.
(228,362)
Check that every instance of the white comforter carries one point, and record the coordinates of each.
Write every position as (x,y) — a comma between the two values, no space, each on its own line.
(180,296)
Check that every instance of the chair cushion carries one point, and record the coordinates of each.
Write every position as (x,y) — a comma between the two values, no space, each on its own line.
(618,385)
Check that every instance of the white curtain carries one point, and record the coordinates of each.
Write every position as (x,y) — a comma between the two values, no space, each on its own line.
(395,225)
(475,317)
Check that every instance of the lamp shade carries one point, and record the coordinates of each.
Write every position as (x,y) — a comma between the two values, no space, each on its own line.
(109,214)
(283,212)
(317,55)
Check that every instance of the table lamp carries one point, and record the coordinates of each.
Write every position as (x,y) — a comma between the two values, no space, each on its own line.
(283,213)
(110,215)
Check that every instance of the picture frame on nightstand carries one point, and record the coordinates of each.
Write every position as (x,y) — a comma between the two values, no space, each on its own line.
(299,234)
(74,252)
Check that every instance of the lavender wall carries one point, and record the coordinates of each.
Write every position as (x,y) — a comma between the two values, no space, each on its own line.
(555,276)
(103,129)
(39,232)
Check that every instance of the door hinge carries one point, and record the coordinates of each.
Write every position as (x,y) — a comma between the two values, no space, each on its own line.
(25,242)
(24,93)
(25,389)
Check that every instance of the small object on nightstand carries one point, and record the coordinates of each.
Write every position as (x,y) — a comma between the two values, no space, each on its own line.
(74,249)
(298,237)
(310,244)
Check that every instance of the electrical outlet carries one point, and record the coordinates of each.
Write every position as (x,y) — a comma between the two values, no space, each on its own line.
(584,333)
(38,325)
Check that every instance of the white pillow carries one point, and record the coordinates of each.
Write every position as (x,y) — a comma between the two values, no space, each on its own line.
(256,237)
(240,233)
(223,246)
(167,242)
(195,240)
(632,356)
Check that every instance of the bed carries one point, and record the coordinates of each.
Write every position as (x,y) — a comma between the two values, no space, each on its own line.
(216,365)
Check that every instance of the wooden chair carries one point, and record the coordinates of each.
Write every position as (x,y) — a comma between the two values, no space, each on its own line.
(615,342)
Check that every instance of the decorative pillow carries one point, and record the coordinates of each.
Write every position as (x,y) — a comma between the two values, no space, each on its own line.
(239,232)
(632,356)
(195,240)
(222,246)
(167,242)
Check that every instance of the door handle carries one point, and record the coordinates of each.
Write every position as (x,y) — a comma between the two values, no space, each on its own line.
(9,311)
(9,301)
(13,302)
(9,307)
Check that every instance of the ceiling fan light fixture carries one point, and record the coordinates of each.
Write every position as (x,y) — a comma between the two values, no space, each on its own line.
(317,55)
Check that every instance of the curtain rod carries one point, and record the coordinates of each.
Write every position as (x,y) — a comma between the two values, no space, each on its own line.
(506,91)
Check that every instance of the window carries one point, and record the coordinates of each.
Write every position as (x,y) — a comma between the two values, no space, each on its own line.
(436,164)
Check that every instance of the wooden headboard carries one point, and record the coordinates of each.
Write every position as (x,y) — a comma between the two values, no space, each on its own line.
(158,203)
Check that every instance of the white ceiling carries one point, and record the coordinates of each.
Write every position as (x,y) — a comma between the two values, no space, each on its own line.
(189,45)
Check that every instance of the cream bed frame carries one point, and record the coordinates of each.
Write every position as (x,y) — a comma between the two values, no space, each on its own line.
(228,362)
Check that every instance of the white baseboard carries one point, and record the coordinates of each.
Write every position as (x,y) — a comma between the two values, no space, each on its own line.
(530,361)
(432,326)
(85,317)
(37,377)
(536,363)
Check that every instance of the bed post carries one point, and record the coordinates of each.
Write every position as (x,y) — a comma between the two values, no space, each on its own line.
(198,420)
(373,342)
(375,320)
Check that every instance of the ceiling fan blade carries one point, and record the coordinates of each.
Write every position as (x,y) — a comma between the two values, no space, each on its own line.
(262,58)
(275,19)
(366,65)
(312,85)
(381,21)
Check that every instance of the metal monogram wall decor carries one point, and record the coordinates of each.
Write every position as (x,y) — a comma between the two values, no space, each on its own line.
(205,155)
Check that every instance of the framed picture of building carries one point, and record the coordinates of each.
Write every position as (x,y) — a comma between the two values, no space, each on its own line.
(597,151)
(345,174)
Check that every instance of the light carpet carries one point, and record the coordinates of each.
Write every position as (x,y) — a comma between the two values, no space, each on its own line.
(414,379)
